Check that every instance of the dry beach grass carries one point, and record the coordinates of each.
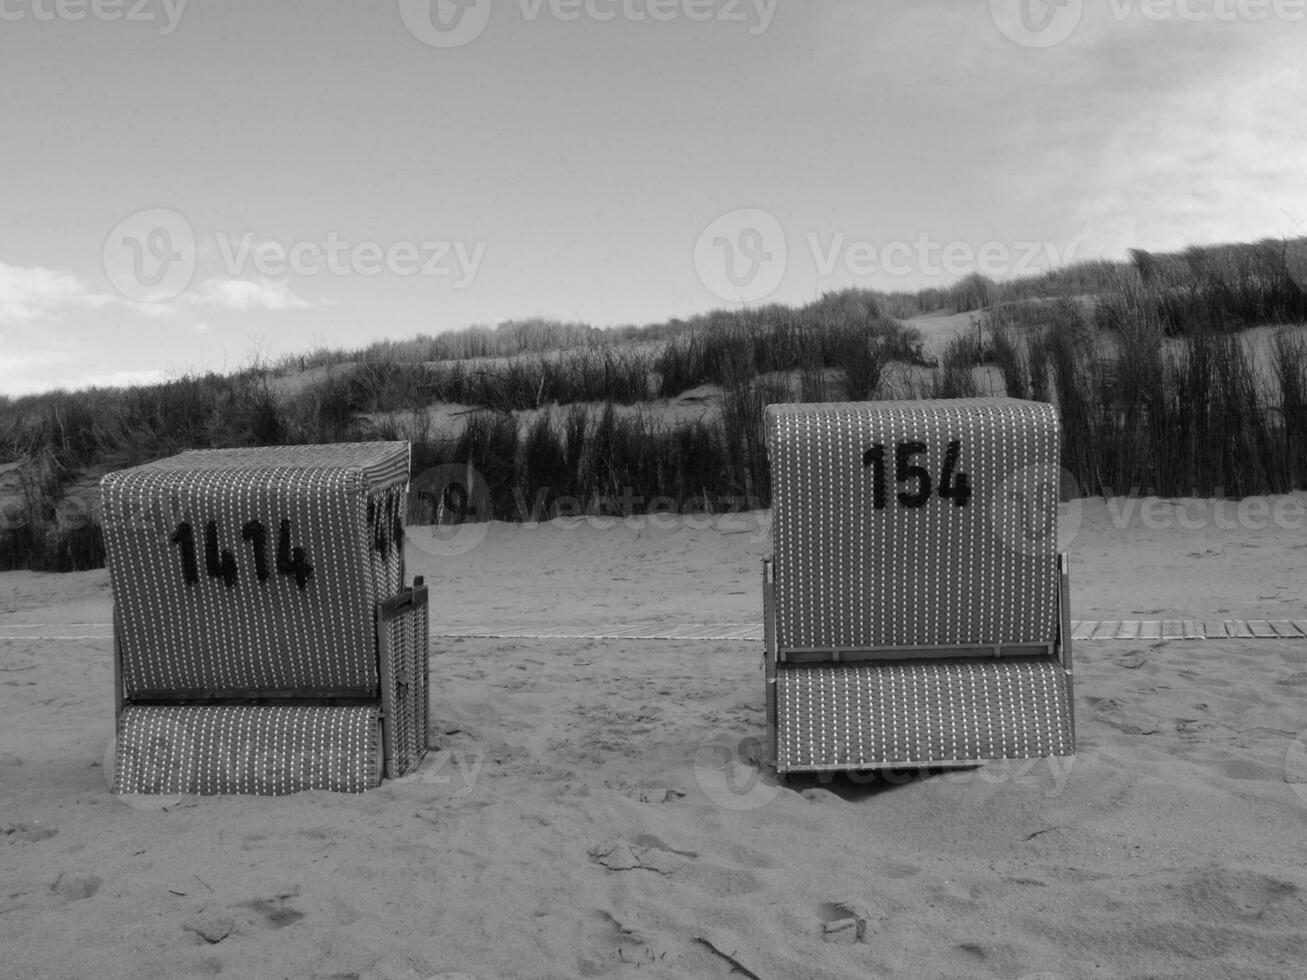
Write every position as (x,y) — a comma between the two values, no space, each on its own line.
(1182,373)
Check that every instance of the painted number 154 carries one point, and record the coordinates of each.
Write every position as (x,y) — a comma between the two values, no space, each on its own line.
(916,480)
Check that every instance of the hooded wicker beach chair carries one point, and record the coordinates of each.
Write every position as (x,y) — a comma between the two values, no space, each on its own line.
(916,607)
(264,640)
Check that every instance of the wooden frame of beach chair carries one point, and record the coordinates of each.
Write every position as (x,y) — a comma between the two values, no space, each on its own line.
(264,641)
(917,611)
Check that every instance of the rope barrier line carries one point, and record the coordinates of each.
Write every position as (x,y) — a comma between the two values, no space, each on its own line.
(1081,630)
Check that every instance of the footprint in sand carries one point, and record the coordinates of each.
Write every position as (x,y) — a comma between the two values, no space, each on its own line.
(74,888)
(210,927)
(1112,712)
(1229,894)
(275,912)
(605,940)
(898,870)
(999,959)
(214,925)
(1295,767)
(644,852)
(30,833)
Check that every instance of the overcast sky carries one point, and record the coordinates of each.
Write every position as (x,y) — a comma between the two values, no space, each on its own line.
(190,185)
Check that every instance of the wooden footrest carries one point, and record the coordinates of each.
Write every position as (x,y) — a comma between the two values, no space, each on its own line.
(877,716)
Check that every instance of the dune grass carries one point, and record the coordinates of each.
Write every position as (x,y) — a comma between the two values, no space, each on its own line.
(508,339)
(1156,389)
(844,330)
(573,462)
(596,374)
(1144,412)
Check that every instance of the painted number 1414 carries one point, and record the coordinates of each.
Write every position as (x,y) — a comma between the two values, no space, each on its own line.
(915,478)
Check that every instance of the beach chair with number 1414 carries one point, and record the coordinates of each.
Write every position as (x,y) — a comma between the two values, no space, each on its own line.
(264,641)
(916,605)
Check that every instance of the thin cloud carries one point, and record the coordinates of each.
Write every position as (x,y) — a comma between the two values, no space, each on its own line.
(152,311)
(1201,166)
(116,379)
(34,292)
(29,293)
(17,380)
(18,369)
(246,294)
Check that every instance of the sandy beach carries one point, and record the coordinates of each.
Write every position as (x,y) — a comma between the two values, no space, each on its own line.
(592,808)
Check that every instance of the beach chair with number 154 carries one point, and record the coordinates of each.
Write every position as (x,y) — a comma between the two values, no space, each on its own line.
(916,605)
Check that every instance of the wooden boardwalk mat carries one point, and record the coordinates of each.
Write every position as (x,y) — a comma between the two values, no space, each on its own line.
(1189,629)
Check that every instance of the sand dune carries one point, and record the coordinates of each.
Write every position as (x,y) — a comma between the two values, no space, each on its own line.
(592,808)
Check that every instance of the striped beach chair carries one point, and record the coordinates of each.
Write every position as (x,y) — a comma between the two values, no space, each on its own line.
(264,640)
(916,606)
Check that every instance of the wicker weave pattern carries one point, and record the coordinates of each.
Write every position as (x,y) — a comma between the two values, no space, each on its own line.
(408,680)
(849,575)
(385,518)
(265,750)
(239,627)
(869,716)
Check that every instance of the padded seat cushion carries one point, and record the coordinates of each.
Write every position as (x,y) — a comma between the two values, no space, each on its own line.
(267,750)
(875,715)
